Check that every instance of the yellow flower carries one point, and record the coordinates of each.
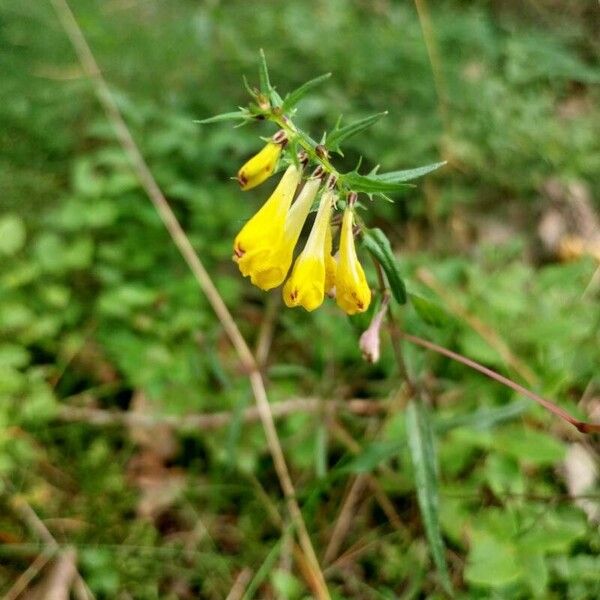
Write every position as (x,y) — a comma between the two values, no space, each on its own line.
(330,264)
(264,247)
(261,166)
(306,285)
(353,294)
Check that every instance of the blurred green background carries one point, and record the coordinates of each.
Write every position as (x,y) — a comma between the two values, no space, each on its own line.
(99,311)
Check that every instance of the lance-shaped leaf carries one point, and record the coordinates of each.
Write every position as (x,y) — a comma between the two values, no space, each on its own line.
(370,184)
(263,74)
(339,134)
(265,84)
(294,97)
(408,174)
(379,246)
(429,310)
(422,453)
(237,115)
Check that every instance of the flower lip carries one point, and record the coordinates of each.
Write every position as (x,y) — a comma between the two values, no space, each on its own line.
(262,165)
(262,249)
(353,294)
(306,285)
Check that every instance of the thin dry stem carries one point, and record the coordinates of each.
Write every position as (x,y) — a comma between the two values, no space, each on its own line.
(61,576)
(90,67)
(380,495)
(265,334)
(593,286)
(30,517)
(434,59)
(345,518)
(29,574)
(240,584)
(212,421)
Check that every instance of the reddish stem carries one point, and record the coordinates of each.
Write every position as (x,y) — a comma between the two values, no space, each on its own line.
(582,426)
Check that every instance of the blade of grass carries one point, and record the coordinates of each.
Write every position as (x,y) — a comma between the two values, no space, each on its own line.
(262,572)
(263,74)
(423,456)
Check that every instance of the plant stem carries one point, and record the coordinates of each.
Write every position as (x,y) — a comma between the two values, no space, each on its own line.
(308,145)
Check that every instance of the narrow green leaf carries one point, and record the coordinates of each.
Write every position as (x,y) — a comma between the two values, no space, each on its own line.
(339,134)
(429,310)
(228,116)
(321,451)
(263,75)
(294,97)
(263,571)
(275,98)
(367,184)
(373,455)
(379,246)
(423,456)
(408,174)
(484,418)
(265,84)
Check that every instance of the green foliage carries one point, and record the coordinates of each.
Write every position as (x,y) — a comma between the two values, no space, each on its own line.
(294,97)
(423,455)
(98,309)
(376,242)
(339,134)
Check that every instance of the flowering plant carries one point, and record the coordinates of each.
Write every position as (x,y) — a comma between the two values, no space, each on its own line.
(264,248)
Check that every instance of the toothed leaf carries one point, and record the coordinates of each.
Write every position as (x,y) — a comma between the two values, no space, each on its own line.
(429,310)
(237,115)
(408,174)
(294,97)
(339,134)
(364,183)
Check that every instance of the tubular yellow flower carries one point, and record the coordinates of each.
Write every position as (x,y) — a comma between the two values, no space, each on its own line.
(352,292)
(261,166)
(330,264)
(306,285)
(258,248)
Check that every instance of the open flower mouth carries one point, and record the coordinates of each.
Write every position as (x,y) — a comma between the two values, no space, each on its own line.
(238,251)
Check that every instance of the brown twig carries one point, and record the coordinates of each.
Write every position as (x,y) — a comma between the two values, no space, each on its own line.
(345,518)
(29,574)
(380,495)
(105,97)
(240,584)
(60,578)
(267,327)
(582,426)
(30,517)
(211,421)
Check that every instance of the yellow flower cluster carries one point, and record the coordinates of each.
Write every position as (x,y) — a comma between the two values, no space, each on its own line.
(264,248)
